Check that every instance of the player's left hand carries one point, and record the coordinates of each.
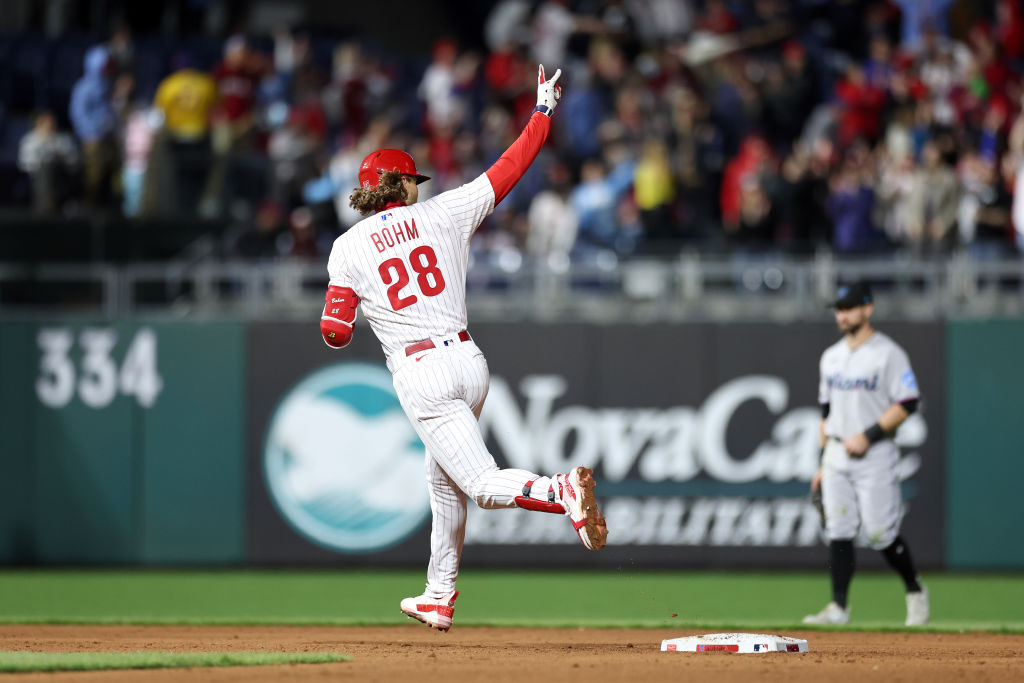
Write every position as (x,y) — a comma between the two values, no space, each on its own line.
(856,445)
(548,92)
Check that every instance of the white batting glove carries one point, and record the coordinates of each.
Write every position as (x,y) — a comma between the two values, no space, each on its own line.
(548,93)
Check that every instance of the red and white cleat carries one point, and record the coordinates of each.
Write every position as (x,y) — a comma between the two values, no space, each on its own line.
(576,493)
(434,612)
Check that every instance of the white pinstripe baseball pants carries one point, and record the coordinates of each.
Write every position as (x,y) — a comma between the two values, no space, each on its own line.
(442,390)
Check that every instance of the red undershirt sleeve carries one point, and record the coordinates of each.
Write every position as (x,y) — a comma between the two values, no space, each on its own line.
(507,170)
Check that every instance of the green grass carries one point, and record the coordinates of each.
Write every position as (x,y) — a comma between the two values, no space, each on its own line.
(699,600)
(21,662)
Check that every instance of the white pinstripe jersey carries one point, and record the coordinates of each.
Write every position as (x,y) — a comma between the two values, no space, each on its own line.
(408,264)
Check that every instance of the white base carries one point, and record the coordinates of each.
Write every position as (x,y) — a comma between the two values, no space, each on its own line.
(734,642)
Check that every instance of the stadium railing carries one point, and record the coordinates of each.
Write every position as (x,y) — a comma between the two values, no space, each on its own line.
(689,286)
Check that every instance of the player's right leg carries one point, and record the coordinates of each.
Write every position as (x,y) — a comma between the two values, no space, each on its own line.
(447,530)
(436,607)
(841,524)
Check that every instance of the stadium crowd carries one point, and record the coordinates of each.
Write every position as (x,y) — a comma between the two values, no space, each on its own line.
(755,126)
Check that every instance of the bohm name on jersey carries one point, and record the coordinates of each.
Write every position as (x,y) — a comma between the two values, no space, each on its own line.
(389,237)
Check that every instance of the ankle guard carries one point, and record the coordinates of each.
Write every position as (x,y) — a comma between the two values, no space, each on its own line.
(527,503)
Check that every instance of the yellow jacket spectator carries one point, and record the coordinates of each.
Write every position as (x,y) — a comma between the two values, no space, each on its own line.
(186,98)
(652,181)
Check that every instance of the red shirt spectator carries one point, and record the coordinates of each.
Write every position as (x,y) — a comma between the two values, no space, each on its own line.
(504,70)
(752,157)
(310,118)
(860,107)
(717,18)
(237,78)
(1010,27)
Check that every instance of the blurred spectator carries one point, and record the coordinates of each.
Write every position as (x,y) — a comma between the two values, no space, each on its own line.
(94,119)
(237,78)
(437,89)
(292,149)
(717,18)
(801,196)
(851,203)
(942,77)
(357,86)
(507,23)
(879,68)
(788,93)
(736,102)
(552,26)
(507,70)
(294,71)
(920,16)
(300,241)
(932,203)
(444,83)
(1010,28)
(136,143)
(659,20)
(49,157)
(595,200)
(584,107)
(984,211)
(186,98)
(758,217)
(750,162)
(553,222)
(121,50)
(654,192)
(699,159)
(260,240)
(897,179)
(860,107)
(992,131)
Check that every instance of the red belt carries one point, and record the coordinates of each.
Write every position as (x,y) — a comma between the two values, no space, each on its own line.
(429,344)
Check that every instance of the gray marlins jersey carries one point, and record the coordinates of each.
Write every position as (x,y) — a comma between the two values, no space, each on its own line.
(860,384)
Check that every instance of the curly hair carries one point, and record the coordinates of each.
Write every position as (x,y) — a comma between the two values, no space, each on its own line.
(390,189)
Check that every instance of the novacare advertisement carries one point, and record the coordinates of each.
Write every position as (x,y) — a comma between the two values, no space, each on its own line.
(703,439)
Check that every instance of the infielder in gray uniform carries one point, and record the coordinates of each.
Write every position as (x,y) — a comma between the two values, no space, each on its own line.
(867,389)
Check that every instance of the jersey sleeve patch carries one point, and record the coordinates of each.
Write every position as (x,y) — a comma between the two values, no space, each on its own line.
(909,380)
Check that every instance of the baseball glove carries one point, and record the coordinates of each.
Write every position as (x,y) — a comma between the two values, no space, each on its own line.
(818,503)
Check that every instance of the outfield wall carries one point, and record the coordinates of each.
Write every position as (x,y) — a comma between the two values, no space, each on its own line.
(139,442)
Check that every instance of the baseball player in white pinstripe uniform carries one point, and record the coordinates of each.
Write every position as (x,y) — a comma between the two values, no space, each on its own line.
(405,265)
(867,389)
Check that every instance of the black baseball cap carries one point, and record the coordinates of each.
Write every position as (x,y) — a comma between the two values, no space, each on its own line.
(851,295)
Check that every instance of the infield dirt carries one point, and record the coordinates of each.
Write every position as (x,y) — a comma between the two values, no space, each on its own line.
(494,655)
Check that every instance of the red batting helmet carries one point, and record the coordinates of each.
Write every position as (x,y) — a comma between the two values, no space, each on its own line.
(383,160)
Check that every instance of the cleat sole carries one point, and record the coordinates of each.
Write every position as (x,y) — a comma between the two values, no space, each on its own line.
(422,620)
(594,533)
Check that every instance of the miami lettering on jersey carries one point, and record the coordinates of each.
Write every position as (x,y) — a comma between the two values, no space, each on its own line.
(840,383)
(391,236)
